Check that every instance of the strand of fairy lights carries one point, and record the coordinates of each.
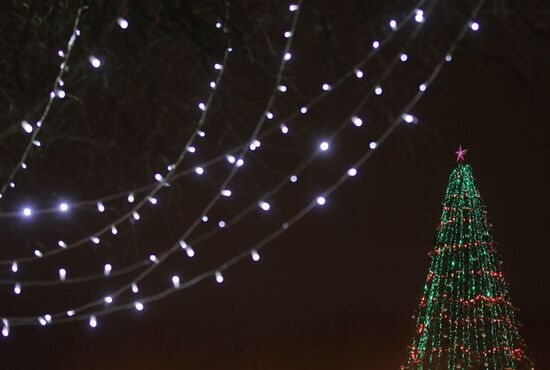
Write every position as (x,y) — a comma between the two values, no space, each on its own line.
(94,239)
(262,204)
(326,90)
(133,213)
(254,252)
(285,58)
(57,92)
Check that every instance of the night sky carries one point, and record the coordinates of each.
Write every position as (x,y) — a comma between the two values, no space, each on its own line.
(338,289)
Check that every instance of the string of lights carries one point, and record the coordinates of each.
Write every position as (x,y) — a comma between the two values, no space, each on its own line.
(326,89)
(57,92)
(217,273)
(223,224)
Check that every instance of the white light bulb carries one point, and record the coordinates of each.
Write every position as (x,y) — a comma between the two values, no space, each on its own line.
(230,158)
(373,145)
(375,44)
(321,201)
(212,84)
(37,253)
(153,258)
(5,327)
(158,177)
(326,87)
(135,288)
(176,281)
(393,24)
(191,149)
(202,106)
(153,200)
(378,90)
(62,244)
(474,26)
(287,34)
(36,143)
(303,110)
(204,218)
(114,230)
(12,184)
(284,128)
(139,306)
(100,207)
(201,133)
(409,118)
(17,289)
(24,166)
(61,94)
(122,23)
(219,277)
(419,17)
(190,252)
(131,198)
(287,56)
(62,274)
(48,318)
(359,73)
(264,205)
(293,7)
(226,192)
(108,299)
(218,66)
(403,57)
(60,53)
(107,269)
(218,25)
(324,146)
(352,172)
(70,313)
(42,321)
(269,115)
(96,63)
(199,170)
(221,224)
(422,87)
(14,267)
(293,178)
(136,216)
(255,255)
(357,121)
(239,162)
(93,321)
(27,127)
(63,207)
(282,88)
(448,57)
(27,211)
(94,239)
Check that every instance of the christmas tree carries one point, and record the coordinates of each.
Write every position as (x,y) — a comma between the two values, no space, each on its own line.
(465,318)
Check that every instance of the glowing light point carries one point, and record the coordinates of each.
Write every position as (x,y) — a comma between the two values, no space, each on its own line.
(293,178)
(139,306)
(94,239)
(352,172)
(108,299)
(393,24)
(422,87)
(37,253)
(212,84)
(27,212)
(107,269)
(93,321)
(218,66)
(136,216)
(5,328)
(359,73)
(17,289)
(14,267)
(419,17)
(324,146)
(303,110)
(100,207)
(60,53)
(293,7)
(474,26)
(27,127)
(122,23)
(42,321)
(190,252)
(375,44)
(61,94)
(357,121)
(282,88)
(403,57)
(153,258)
(191,149)
(135,288)
(264,205)
(255,255)
(231,159)
(326,87)
(63,207)
(70,313)
(409,118)
(131,198)
(287,34)
(199,170)
(62,244)
(287,56)
(221,224)
(96,63)
(284,128)
(204,218)
(373,145)
(240,162)
(378,90)
(153,200)
(226,192)
(62,274)
(176,281)
(321,200)
(269,115)
(219,277)
(202,106)
(448,57)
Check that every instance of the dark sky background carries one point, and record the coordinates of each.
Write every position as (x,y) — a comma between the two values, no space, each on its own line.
(338,290)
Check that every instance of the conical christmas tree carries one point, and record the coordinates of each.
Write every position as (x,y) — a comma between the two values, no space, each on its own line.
(465,319)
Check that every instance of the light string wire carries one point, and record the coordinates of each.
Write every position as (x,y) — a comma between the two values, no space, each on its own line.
(55,93)
(139,204)
(310,104)
(290,222)
(315,100)
(236,218)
